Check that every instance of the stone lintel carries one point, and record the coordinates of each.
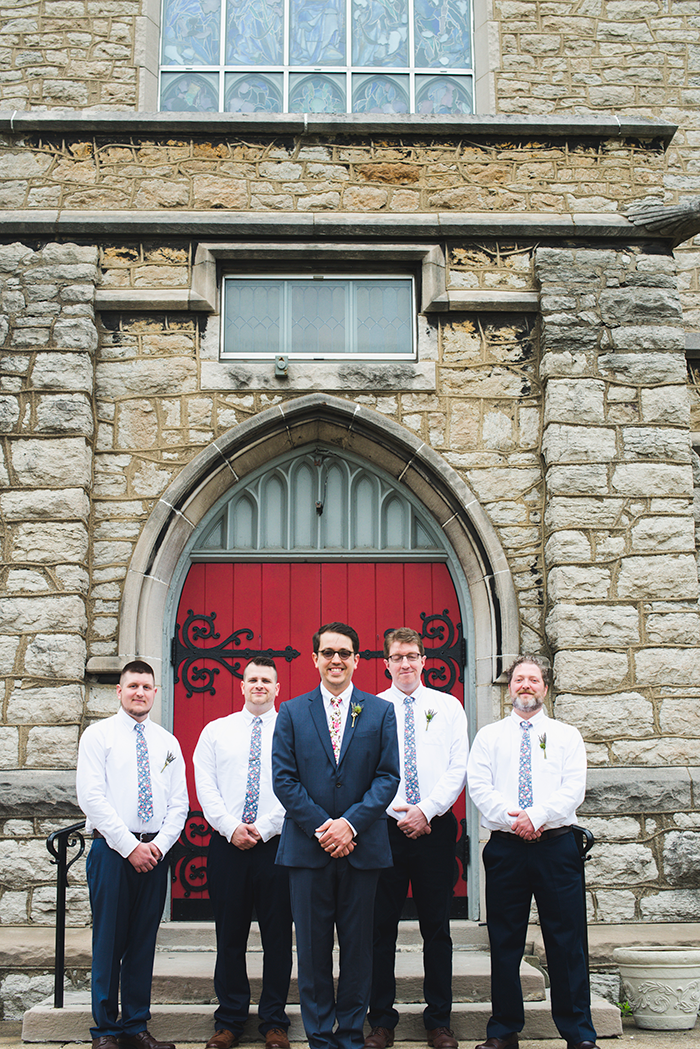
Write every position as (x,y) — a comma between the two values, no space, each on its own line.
(31,793)
(342,125)
(692,345)
(640,789)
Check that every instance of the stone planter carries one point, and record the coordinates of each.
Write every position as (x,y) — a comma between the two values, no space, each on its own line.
(662,985)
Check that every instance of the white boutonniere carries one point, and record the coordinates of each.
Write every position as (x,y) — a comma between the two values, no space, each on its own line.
(170,757)
(543,744)
(355,711)
(429,715)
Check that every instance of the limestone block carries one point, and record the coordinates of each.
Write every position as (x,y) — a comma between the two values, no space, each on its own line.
(101,700)
(663,533)
(668,666)
(499,481)
(64,413)
(620,864)
(655,442)
(18,829)
(22,615)
(13,255)
(672,905)
(8,650)
(615,828)
(571,582)
(24,863)
(591,479)
(607,717)
(72,577)
(601,671)
(9,413)
(666,404)
(567,545)
(19,580)
(582,512)
(652,479)
(59,503)
(565,332)
(576,626)
(615,905)
(55,655)
(52,747)
(644,369)
(213,192)
(679,711)
(9,748)
(676,628)
(27,706)
(668,751)
(43,909)
(146,377)
(574,401)
(137,425)
(636,305)
(49,542)
(680,859)
(497,431)
(648,337)
(20,991)
(38,462)
(578,444)
(69,254)
(13,908)
(671,576)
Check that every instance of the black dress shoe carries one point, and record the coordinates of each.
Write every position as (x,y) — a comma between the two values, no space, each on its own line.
(581,1045)
(143,1040)
(509,1041)
(106,1041)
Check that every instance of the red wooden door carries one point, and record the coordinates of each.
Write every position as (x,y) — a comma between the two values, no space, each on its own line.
(232,611)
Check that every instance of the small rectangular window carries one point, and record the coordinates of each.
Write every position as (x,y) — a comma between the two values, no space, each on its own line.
(312,318)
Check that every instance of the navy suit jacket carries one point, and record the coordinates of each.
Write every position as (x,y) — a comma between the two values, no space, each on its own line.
(312,787)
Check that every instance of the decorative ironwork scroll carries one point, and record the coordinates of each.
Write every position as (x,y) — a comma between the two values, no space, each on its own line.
(451,654)
(188,854)
(186,652)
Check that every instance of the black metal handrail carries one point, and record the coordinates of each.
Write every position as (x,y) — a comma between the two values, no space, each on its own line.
(58,844)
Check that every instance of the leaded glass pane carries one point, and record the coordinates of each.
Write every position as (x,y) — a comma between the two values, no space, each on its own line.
(253,315)
(318,312)
(316,33)
(191,32)
(383,316)
(442,33)
(189,92)
(380,94)
(254,32)
(317,94)
(443,94)
(379,33)
(253,93)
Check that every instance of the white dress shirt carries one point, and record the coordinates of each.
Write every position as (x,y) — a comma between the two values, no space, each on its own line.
(558,772)
(344,698)
(107,783)
(441,748)
(221,773)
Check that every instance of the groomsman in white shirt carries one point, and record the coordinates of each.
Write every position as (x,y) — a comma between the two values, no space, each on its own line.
(433,748)
(131,786)
(232,763)
(527,775)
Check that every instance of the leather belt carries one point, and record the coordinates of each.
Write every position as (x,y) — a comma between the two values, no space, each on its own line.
(137,834)
(555,832)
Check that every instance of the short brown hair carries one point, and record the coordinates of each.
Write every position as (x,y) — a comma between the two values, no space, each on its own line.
(538,661)
(137,666)
(261,661)
(403,635)
(337,628)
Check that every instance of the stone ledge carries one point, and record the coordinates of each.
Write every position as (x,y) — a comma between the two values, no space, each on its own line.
(351,124)
(632,789)
(38,793)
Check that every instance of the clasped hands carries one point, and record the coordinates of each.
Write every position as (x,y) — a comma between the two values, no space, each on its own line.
(145,857)
(336,837)
(245,836)
(523,826)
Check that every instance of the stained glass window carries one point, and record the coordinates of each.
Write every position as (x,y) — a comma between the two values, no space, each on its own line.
(317,56)
(318,318)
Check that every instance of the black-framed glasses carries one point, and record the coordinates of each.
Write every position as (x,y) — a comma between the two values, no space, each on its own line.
(412,657)
(344,653)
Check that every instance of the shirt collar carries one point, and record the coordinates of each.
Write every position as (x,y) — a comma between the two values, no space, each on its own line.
(536,719)
(398,695)
(249,718)
(344,697)
(129,722)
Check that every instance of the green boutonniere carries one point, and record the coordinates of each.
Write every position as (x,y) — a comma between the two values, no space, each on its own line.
(543,744)
(355,711)
(429,715)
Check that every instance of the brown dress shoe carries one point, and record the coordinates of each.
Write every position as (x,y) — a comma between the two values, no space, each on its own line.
(222,1039)
(379,1038)
(106,1041)
(581,1045)
(143,1040)
(276,1038)
(442,1038)
(509,1042)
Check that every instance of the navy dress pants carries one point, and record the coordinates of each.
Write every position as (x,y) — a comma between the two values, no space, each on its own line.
(126,912)
(428,864)
(337,895)
(551,871)
(240,879)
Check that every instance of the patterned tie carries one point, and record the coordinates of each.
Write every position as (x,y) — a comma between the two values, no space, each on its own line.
(143,770)
(252,791)
(336,723)
(525,768)
(409,753)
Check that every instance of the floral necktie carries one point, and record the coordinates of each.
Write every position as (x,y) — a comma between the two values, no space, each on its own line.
(252,791)
(525,768)
(410,769)
(336,724)
(143,772)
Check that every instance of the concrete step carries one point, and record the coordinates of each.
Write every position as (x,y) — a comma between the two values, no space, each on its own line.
(188,976)
(193,1023)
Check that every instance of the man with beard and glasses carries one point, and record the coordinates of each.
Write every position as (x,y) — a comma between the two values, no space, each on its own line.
(527,775)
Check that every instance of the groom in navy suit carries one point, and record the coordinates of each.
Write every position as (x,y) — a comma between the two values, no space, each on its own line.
(335,768)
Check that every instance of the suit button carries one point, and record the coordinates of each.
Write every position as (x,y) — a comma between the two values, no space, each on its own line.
(338,783)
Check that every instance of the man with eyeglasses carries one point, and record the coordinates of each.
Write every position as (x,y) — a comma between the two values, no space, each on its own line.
(432,734)
(335,768)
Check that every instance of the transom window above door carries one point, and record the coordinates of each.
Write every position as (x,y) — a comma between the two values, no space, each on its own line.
(317,56)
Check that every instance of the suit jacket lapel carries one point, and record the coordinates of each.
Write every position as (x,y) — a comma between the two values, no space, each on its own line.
(349,730)
(318,714)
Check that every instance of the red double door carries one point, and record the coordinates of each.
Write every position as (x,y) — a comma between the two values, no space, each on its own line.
(229,612)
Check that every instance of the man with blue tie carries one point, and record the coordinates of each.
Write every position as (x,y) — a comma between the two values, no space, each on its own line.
(335,769)
(527,775)
(234,786)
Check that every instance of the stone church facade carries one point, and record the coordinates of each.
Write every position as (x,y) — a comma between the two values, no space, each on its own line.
(544,425)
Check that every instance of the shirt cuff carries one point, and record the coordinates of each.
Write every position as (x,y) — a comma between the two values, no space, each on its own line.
(354,832)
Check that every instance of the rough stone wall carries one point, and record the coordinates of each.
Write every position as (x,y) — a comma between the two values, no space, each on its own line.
(621,575)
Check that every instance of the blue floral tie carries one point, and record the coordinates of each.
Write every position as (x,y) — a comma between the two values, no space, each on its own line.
(409,753)
(252,793)
(525,768)
(143,772)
